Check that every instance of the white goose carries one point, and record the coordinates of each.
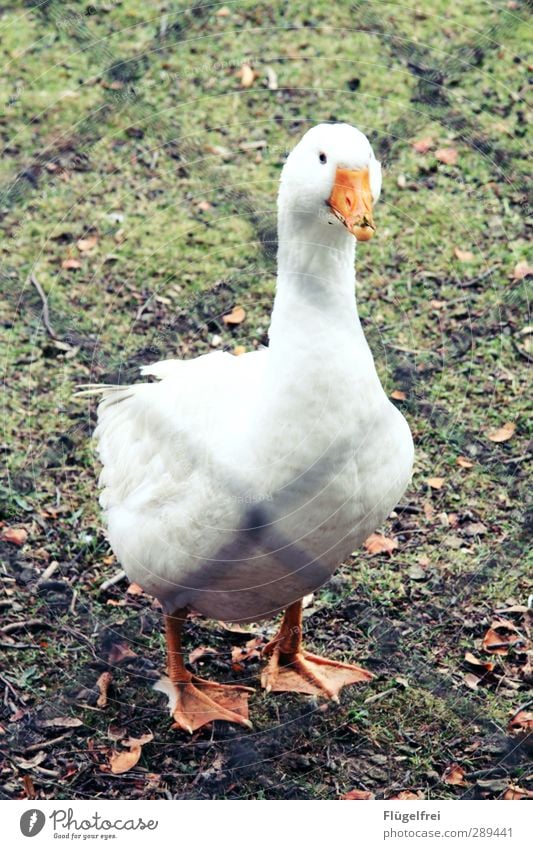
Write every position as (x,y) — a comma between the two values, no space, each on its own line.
(234,486)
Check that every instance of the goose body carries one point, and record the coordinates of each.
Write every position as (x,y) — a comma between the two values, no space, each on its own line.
(236,485)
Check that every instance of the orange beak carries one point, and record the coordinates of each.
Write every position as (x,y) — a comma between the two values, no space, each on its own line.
(351,201)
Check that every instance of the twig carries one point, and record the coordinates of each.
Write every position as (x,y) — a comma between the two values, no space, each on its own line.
(26,623)
(45,743)
(10,687)
(520,459)
(48,572)
(379,696)
(521,708)
(119,576)
(46,314)
(473,280)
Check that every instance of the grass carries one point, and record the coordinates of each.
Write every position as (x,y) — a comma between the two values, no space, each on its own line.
(121,124)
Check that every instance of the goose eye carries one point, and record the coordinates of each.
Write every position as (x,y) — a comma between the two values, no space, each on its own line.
(323,158)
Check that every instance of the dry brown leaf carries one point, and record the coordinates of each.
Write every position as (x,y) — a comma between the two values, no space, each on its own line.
(454,774)
(515,793)
(124,761)
(523,721)
(200,652)
(17,536)
(464,462)
(503,433)
(429,510)
(247,75)
(236,316)
(423,145)
(471,680)
(29,789)
(60,722)
(499,638)
(134,589)
(133,742)
(447,155)
(404,795)
(522,269)
(478,664)
(103,685)
(379,544)
(87,244)
(435,483)
(358,794)
(120,652)
(398,395)
(463,256)
(71,264)
(203,205)
(250,651)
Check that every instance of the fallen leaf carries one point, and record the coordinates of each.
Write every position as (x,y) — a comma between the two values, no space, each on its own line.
(199,652)
(398,395)
(124,761)
(447,155)
(103,685)
(379,544)
(479,664)
(250,651)
(60,722)
(464,462)
(17,536)
(523,721)
(471,681)
(134,589)
(71,264)
(454,774)
(29,789)
(515,793)
(474,529)
(247,75)
(435,483)
(239,350)
(119,652)
(203,205)
(522,269)
(358,794)
(133,742)
(405,795)
(87,244)
(236,316)
(31,763)
(463,256)
(423,145)
(223,12)
(500,637)
(503,433)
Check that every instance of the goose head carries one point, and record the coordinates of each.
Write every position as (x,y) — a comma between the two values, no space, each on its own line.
(332,175)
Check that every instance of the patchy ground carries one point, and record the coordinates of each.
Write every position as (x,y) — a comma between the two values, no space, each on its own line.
(137,185)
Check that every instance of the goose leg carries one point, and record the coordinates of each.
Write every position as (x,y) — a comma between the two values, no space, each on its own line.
(294,670)
(197,702)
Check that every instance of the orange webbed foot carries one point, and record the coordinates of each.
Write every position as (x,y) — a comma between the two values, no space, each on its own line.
(303,672)
(197,702)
